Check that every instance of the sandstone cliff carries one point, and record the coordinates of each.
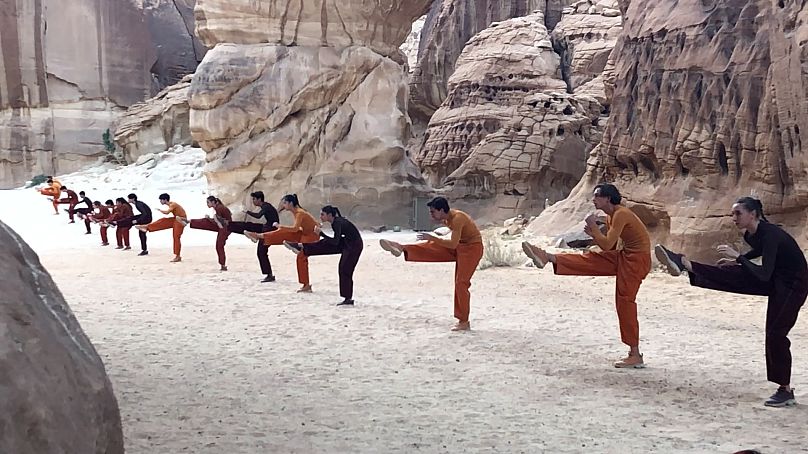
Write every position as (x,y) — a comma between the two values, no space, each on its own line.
(71,67)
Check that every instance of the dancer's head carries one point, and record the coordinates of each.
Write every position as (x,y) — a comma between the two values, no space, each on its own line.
(64,188)
(109,203)
(328,213)
(213,201)
(97,204)
(164,198)
(132,197)
(289,202)
(606,196)
(50,180)
(257,198)
(438,208)
(747,212)
(120,201)
(81,193)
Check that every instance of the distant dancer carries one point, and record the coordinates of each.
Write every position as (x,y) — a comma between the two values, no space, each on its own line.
(782,277)
(172,222)
(144,217)
(346,241)
(71,201)
(54,192)
(303,231)
(630,265)
(84,211)
(464,247)
(270,215)
(221,218)
(101,218)
(122,219)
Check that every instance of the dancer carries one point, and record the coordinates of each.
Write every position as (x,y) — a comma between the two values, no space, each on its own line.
(100,218)
(53,191)
(783,277)
(346,241)
(122,219)
(465,248)
(84,212)
(302,232)
(270,215)
(630,265)
(172,223)
(144,217)
(71,200)
(217,224)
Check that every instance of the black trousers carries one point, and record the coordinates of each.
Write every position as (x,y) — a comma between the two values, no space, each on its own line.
(85,212)
(262,251)
(143,220)
(786,294)
(350,252)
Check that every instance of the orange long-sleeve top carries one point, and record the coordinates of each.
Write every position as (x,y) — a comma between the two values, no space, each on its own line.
(175,209)
(623,224)
(464,230)
(305,223)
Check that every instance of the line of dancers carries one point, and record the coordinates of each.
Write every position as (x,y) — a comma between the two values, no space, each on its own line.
(782,276)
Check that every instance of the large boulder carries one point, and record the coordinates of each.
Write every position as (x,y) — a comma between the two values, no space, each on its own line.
(709,104)
(56,397)
(325,118)
(69,68)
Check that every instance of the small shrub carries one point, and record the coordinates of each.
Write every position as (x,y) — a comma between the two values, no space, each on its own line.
(36,181)
(113,154)
(500,253)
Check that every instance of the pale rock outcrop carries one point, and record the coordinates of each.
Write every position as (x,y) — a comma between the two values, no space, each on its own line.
(56,397)
(325,118)
(413,42)
(70,67)
(449,25)
(710,104)
(508,133)
(156,124)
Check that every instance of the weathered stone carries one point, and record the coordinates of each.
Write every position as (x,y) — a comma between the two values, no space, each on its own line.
(56,397)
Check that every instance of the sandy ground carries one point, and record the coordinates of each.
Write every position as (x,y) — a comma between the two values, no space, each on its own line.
(210,362)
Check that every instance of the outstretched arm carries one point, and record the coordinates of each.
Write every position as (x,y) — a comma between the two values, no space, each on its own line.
(765,271)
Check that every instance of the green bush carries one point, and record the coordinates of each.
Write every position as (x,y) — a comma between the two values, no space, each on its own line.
(36,181)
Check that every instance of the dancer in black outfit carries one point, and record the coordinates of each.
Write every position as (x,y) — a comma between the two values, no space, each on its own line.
(346,241)
(84,212)
(783,277)
(270,215)
(144,217)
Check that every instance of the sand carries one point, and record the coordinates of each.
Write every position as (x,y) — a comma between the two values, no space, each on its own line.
(210,362)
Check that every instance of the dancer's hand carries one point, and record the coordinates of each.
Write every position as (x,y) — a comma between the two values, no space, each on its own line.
(591,220)
(423,236)
(317,230)
(728,251)
(725,262)
(275,224)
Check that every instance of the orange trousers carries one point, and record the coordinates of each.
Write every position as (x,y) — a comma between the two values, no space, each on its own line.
(52,193)
(630,269)
(169,223)
(466,258)
(277,237)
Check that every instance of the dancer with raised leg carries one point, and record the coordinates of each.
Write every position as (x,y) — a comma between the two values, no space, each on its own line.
(464,247)
(270,215)
(144,217)
(346,241)
(782,277)
(172,222)
(630,265)
(218,224)
(121,219)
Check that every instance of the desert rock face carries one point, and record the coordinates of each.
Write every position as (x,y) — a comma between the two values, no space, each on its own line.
(709,105)
(325,119)
(71,67)
(56,394)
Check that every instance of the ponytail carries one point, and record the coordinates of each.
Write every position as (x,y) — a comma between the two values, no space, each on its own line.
(292,198)
(332,211)
(753,205)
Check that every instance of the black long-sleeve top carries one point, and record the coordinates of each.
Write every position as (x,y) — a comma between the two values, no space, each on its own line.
(344,232)
(143,209)
(144,214)
(782,256)
(86,200)
(267,212)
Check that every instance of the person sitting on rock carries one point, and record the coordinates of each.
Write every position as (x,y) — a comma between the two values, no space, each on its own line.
(783,277)
(172,222)
(464,247)
(630,264)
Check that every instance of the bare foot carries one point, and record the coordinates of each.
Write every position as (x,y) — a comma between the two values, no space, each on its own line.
(392,247)
(176,259)
(252,236)
(537,255)
(305,289)
(462,326)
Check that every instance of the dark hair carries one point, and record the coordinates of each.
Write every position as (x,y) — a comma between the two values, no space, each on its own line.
(121,200)
(291,198)
(610,191)
(97,203)
(753,205)
(258,195)
(331,211)
(439,203)
(132,196)
(49,180)
(64,187)
(81,193)
(109,202)
(213,199)
(164,196)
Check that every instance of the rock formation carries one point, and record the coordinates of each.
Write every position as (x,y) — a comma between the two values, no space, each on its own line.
(56,396)
(156,124)
(449,25)
(71,67)
(413,42)
(325,118)
(709,104)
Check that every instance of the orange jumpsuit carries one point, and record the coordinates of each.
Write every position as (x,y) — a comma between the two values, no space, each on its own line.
(465,248)
(171,223)
(301,232)
(631,265)
(53,190)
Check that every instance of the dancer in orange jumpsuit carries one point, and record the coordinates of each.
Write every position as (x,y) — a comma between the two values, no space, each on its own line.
(303,231)
(630,265)
(217,224)
(172,223)
(53,191)
(464,247)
